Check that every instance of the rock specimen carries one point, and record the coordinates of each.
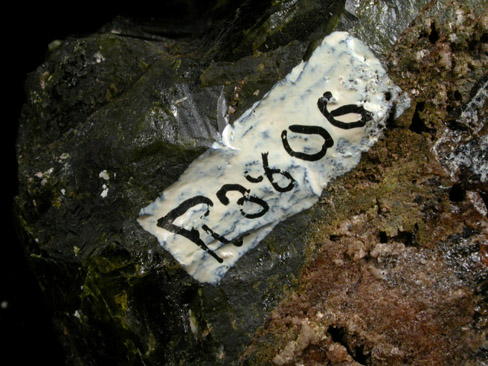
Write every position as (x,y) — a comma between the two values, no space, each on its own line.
(389,267)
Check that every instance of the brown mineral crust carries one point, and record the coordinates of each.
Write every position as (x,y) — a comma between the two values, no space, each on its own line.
(396,305)
(397,270)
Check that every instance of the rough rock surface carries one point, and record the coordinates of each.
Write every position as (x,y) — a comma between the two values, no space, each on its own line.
(397,268)
(389,268)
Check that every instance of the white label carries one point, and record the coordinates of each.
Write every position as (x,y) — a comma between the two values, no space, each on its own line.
(275,160)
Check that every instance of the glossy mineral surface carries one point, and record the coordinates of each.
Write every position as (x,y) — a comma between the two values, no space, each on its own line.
(275,160)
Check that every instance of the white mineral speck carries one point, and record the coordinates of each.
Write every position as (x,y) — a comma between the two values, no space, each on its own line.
(104,175)
(459,16)
(174,110)
(105,191)
(193,322)
(421,54)
(98,57)
(477,202)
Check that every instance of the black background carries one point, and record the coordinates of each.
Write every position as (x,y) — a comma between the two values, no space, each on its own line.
(26,331)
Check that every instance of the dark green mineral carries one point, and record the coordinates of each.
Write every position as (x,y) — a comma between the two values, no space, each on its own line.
(389,268)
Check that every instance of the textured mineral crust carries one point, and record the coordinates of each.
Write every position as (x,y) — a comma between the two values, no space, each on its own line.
(388,268)
(397,267)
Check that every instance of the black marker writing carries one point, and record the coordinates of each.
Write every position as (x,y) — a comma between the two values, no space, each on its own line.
(270,173)
(309,130)
(341,111)
(166,222)
(222,195)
